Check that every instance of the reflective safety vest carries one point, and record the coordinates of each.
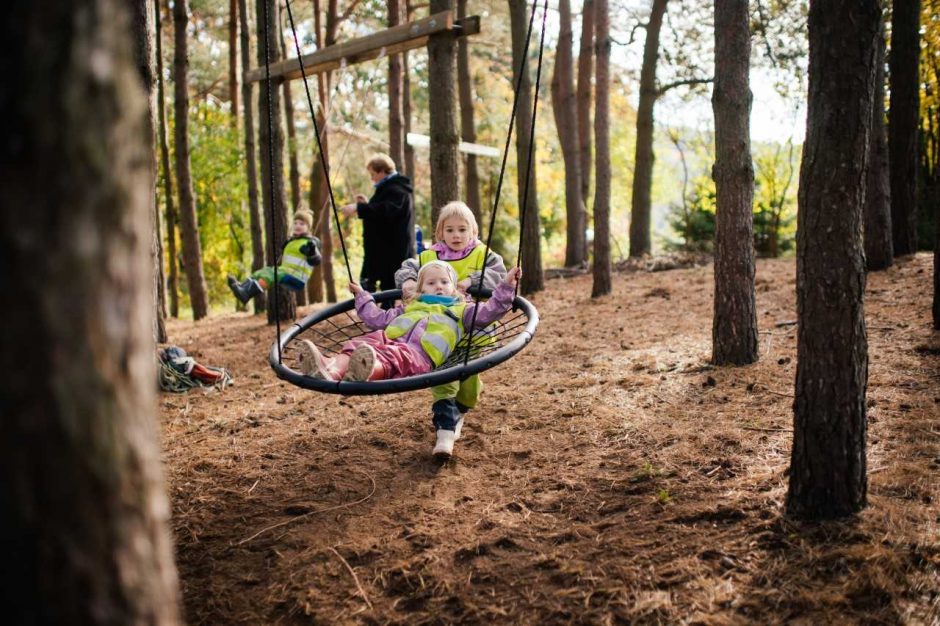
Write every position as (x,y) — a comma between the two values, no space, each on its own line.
(473,262)
(294,262)
(444,329)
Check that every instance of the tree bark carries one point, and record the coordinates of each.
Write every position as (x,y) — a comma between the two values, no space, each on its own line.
(442,115)
(602,280)
(406,105)
(170,212)
(878,236)
(396,136)
(251,157)
(293,166)
(904,116)
(468,131)
(233,59)
(583,97)
(85,512)
(564,106)
(530,224)
(643,169)
(141,12)
(828,465)
(189,225)
(734,327)
(271,146)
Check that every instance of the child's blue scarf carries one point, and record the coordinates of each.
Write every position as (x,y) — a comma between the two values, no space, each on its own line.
(428,298)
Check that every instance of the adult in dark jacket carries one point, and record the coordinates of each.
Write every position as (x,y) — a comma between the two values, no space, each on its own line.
(386,216)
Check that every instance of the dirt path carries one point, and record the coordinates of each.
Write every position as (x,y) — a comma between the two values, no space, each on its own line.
(610,476)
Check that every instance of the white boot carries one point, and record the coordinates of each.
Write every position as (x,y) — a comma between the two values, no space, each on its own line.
(458,427)
(445,444)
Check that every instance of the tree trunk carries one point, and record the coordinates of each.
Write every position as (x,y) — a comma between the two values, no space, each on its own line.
(602,281)
(734,328)
(643,164)
(828,465)
(442,115)
(903,118)
(530,224)
(170,212)
(271,146)
(564,107)
(141,12)
(189,225)
(293,166)
(396,137)
(251,158)
(878,236)
(85,513)
(583,97)
(233,59)
(468,131)
(406,105)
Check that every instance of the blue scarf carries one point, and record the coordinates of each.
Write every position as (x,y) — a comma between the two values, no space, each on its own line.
(428,298)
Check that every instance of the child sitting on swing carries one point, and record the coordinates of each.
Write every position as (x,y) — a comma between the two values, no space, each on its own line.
(300,254)
(417,337)
(456,242)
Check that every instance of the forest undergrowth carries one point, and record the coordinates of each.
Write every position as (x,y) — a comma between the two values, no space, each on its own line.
(609,476)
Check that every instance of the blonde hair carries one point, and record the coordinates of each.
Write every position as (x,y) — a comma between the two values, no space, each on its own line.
(447,267)
(459,210)
(381,162)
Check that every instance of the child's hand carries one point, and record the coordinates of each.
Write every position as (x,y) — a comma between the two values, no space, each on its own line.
(361,198)
(463,285)
(355,289)
(349,209)
(512,278)
(408,289)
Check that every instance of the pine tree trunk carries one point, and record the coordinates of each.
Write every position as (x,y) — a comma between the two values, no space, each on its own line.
(271,146)
(396,136)
(602,269)
(442,105)
(643,163)
(233,60)
(468,131)
(734,328)
(904,116)
(530,224)
(878,236)
(189,225)
(293,166)
(406,105)
(583,97)
(828,465)
(85,512)
(255,223)
(170,213)
(564,107)
(141,11)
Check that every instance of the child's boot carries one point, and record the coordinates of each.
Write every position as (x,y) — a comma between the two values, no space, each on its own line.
(364,365)
(448,421)
(444,447)
(311,362)
(245,290)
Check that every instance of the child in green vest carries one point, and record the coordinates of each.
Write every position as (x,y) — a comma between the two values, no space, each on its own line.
(456,242)
(413,339)
(300,254)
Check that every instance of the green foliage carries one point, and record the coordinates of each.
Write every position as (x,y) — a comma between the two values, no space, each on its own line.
(693,220)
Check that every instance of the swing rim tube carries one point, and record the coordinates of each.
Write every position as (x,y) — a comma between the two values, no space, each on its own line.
(396,385)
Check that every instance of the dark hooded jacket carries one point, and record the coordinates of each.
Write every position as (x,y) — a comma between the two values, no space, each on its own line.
(386,237)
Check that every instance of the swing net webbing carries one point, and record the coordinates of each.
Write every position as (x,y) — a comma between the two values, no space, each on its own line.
(330,328)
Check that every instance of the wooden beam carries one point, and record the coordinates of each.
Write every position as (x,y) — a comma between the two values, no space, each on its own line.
(391,41)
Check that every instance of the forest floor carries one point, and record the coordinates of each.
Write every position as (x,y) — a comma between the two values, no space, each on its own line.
(610,475)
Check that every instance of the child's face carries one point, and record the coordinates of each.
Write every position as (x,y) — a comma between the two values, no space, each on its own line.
(300,228)
(437,283)
(457,233)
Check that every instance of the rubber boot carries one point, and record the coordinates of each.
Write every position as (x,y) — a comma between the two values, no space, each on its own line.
(246,290)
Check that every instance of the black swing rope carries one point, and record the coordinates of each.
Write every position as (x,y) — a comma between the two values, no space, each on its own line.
(435,377)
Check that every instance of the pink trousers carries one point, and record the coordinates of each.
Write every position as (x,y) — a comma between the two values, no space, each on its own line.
(399,359)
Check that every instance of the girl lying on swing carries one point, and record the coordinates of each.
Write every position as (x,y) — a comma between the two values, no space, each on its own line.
(412,338)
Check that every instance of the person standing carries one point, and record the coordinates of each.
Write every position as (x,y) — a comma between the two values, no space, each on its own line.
(386,238)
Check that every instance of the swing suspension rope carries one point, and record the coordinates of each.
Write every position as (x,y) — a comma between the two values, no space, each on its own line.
(483,347)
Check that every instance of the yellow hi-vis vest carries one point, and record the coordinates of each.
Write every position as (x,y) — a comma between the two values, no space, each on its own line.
(473,262)
(444,329)
(294,262)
